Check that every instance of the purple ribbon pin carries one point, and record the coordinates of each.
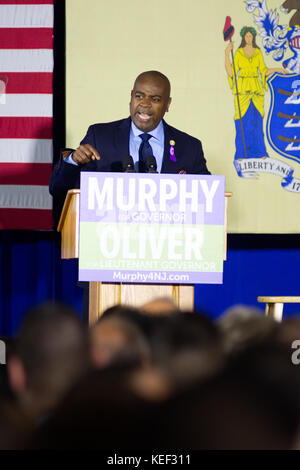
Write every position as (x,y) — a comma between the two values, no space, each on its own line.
(172,151)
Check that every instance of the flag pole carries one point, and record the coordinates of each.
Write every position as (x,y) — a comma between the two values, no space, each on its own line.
(238,101)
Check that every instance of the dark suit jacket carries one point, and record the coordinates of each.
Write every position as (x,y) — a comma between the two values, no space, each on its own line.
(112,142)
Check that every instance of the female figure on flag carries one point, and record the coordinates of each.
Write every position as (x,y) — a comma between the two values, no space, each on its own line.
(251,77)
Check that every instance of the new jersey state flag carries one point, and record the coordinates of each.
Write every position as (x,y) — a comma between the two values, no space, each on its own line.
(26,72)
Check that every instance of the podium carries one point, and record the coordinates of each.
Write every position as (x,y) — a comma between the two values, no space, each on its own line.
(103,295)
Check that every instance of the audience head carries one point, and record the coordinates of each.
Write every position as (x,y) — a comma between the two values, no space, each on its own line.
(116,338)
(243,326)
(187,346)
(50,355)
(160,306)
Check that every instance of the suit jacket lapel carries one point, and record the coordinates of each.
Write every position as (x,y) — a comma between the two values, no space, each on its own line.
(122,138)
(169,166)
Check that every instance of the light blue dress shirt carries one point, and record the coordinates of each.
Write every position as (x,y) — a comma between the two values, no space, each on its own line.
(157,143)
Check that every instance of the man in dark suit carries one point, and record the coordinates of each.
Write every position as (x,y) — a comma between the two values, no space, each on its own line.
(144,132)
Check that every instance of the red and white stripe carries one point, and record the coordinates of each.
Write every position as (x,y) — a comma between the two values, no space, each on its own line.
(295,42)
(26,116)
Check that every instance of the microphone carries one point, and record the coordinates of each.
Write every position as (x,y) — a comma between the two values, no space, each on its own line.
(128,165)
(151,165)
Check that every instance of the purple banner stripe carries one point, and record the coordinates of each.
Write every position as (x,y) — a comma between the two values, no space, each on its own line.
(120,195)
(150,277)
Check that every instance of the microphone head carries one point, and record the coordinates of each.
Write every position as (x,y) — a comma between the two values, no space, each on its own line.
(151,165)
(128,164)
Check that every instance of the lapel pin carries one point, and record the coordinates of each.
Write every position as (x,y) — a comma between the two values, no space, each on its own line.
(172,151)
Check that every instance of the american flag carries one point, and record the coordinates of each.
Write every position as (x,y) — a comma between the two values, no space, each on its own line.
(26,75)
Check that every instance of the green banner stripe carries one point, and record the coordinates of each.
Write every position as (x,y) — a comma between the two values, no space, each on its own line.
(167,247)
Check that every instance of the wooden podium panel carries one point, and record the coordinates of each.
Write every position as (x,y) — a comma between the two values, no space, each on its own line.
(69,225)
(103,295)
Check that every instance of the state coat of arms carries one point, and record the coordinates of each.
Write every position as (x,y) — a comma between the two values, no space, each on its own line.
(250,78)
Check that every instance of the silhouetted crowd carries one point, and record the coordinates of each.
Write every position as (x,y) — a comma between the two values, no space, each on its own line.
(151,378)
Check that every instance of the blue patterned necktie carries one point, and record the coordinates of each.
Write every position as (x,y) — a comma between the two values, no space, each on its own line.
(145,151)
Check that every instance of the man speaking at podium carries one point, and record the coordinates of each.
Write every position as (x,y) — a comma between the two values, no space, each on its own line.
(142,136)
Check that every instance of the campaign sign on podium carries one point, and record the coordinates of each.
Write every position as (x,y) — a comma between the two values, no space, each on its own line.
(151,228)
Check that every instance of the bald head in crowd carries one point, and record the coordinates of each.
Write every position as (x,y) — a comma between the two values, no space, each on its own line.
(160,306)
